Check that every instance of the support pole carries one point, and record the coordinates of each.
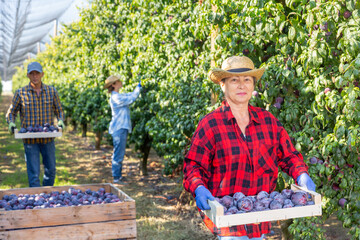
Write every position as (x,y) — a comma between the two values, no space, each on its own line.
(214,32)
(55,27)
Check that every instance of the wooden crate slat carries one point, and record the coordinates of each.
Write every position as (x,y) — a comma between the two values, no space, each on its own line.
(18,135)
(268,216)
(119,193)
(66,215)
(95,231)
(216,213)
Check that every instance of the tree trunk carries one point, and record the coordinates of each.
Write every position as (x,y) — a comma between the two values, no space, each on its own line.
(285,234)
(98,137)
(145,152)
(84,129)
(73,123)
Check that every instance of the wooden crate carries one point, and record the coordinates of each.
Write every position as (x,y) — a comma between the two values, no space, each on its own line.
(216,213)
(103,221)
(37,134)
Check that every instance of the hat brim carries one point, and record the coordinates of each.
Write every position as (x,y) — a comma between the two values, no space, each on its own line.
(217,74)
(107,85)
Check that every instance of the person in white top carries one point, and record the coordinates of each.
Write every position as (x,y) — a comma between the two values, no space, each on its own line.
(120,124)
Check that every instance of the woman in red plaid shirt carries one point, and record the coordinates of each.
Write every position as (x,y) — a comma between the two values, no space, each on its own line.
(238,148)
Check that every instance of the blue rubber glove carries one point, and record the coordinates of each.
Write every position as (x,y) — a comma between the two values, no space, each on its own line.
(202,194)
(139,85)
(305,181)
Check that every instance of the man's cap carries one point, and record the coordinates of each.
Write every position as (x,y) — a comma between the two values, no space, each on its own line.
(34,66)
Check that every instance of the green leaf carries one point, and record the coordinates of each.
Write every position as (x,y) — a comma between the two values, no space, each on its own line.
(292,33)
(350,5)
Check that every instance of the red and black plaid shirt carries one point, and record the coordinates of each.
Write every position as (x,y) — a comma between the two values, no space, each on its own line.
(225,161)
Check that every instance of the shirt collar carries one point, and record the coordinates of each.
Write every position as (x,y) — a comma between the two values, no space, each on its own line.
(32,89)
(225,107)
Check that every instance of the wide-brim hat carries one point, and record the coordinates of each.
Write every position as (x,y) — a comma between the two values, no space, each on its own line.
(236,66)
(110,80)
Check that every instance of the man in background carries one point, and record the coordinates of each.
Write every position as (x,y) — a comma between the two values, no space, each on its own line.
(37,104)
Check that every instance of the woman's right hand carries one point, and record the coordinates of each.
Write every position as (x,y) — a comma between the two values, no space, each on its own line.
(202,194)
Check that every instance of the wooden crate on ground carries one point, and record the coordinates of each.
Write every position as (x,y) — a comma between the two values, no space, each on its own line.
(18,135)
(102,221)
(216,213)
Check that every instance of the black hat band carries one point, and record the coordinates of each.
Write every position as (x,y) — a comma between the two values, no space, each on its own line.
(239,70)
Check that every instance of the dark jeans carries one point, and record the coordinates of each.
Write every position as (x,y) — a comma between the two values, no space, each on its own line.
(32,158)
(119,141)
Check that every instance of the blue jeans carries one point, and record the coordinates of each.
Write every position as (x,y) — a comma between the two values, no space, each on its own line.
(32,158)
(119,141)
(240,238)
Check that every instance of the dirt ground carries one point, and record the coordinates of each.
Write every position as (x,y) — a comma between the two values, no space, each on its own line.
(89,165)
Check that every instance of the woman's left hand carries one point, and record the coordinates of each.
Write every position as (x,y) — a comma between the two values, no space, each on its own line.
(304,180)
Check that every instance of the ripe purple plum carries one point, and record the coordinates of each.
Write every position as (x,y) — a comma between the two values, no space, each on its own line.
(262,195)
(227,201)
(253,198)
(299,198)
(275,205)
(259,206)
(342,202)
(266,201)
(286,193)
(288,206)
(245,204)
(277,105)
(273,194)
(279,100)
(347,14)
(232,210)
(313,160)
(238,195)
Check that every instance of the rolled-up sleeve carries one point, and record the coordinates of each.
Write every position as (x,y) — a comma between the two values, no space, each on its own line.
(14,107)
(198,159)
(120,100)
(290,160)
(58,111)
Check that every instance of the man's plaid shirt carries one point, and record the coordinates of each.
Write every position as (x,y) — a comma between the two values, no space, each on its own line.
(35,109)
(225,161)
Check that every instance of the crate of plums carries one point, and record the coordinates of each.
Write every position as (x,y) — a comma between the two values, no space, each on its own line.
(239,209)
(38,131)
(89,211)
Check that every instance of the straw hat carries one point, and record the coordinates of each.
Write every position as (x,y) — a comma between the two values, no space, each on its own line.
(110,80)
(236,66)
